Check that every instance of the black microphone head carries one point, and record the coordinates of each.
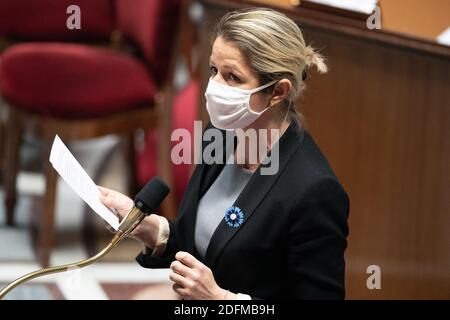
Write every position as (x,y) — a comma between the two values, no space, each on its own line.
(151,195)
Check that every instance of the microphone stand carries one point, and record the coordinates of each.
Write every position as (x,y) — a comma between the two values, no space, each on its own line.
(131,221)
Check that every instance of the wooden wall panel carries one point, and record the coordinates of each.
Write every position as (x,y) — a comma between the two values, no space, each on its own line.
(382,116)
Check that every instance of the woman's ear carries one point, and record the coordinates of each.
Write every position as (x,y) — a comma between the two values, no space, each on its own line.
(280,91)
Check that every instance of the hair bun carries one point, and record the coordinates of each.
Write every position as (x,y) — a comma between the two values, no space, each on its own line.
(315,59)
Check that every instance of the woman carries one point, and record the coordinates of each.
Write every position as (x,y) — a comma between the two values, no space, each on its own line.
(240,234)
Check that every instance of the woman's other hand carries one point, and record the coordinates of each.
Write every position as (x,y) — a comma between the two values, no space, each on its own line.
(195,281)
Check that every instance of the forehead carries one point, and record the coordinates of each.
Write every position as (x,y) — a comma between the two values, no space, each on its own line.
(225,52)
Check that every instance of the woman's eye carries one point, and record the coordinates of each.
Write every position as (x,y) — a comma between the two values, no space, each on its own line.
(213,70)
(232,77)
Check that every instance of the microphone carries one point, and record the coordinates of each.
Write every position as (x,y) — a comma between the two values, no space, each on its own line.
(146,201)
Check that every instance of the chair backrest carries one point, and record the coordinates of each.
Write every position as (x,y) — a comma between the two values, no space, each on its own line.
(150,25)
(46,20)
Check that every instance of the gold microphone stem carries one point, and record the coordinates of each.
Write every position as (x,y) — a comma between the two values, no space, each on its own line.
(130,222)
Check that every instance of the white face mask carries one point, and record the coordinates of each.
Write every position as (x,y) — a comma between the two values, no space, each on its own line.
(229,107)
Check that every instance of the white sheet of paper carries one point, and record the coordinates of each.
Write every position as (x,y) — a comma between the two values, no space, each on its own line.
(444,37)
(364,6)
(76,177)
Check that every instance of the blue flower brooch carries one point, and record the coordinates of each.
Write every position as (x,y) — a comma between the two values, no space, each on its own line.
(234,217)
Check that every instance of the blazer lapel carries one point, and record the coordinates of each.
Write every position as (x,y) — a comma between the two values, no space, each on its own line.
(254,192)
(188,209)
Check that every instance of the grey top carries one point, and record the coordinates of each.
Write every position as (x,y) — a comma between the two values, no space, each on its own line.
(215,202)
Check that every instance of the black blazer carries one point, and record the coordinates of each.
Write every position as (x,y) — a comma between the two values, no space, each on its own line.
(292,241)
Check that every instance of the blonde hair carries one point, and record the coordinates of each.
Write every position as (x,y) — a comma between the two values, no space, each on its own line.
(274,47)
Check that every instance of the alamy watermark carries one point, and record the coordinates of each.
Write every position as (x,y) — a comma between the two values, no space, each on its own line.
(73,21)
(374,21)
(254,147)
(374,280)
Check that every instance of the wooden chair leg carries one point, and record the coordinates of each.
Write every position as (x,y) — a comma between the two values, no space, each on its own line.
(46,233)
(168,207)
(11,164)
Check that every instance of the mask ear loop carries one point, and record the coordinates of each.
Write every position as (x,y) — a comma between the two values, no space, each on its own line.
(267,85)
(271,83)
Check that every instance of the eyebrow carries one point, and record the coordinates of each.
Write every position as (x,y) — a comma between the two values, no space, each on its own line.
(229,66)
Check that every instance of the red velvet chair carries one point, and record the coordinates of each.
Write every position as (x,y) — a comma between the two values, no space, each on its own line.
(79,91)
(31,20)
